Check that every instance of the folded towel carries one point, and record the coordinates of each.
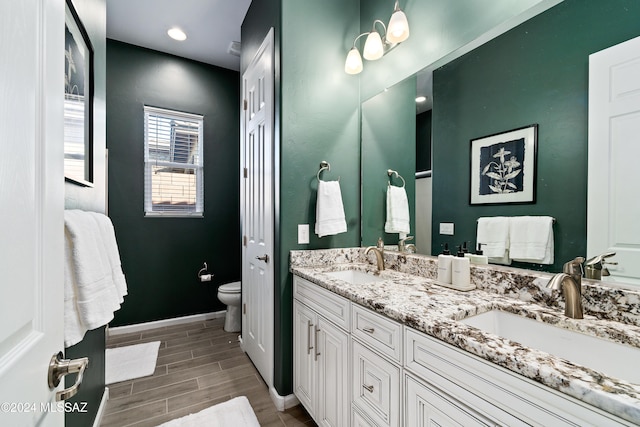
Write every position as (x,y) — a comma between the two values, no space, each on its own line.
(493,233)
(89,281)
(74,330)
(397,210)
(531,239)
(330,218)
(105,227)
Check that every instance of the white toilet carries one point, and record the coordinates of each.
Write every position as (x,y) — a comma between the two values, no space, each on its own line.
(231,295)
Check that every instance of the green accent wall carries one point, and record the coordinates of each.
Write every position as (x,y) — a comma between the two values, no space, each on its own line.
(388,136)
(319,120)
(535,73)
(161,256)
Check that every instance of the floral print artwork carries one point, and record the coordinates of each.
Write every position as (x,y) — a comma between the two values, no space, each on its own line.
(501,167)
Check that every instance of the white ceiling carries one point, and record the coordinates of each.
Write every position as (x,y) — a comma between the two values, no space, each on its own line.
(210,25)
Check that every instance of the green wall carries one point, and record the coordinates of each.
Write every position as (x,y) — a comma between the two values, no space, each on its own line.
(388,128)
(161,256)
(319,121)
(535,73)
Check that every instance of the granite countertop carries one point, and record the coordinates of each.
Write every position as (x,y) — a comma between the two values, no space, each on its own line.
(421,304)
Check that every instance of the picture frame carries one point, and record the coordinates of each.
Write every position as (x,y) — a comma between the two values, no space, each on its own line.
(503,167)
(78,100)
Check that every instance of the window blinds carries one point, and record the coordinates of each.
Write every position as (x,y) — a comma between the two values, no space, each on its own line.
(173,163)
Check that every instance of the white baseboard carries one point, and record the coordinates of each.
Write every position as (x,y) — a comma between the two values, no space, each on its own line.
(119,330)
(283,402)
(101,408)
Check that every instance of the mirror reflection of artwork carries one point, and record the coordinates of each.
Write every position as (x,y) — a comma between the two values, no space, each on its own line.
(503,167)
(77,101)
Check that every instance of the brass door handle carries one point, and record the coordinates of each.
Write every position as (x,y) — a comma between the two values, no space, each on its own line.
(264,258)
(59,367)
(369,388)
(368,330)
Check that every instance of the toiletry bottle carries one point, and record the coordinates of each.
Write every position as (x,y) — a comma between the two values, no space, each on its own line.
(460,271)
(478,258)
(444,265)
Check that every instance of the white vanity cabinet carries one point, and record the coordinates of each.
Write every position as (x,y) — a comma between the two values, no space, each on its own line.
(321,353)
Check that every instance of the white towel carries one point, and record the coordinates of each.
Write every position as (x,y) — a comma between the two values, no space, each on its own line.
(91,295)
(397,210)
(105,227)
(493,233)
(330,218)
(531,239)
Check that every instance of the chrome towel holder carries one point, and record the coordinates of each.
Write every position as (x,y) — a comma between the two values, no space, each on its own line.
(324,165)
(391,172)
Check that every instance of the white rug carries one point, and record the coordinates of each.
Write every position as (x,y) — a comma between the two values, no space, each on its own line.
(133,361)
(236,412)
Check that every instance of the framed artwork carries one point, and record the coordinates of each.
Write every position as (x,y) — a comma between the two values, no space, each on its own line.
(503,167)
(78,100)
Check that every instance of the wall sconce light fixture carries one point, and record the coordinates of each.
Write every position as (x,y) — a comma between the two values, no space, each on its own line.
(377,45)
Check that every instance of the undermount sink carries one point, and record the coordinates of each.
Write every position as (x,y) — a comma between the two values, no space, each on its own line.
(355,277)
(607,357)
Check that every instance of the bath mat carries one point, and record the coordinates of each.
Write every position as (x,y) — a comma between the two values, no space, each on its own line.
(236,412)
(133,361)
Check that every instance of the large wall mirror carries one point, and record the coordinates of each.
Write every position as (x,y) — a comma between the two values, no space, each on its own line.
(534,71)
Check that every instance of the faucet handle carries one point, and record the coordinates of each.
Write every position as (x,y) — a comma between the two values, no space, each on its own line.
(571,266)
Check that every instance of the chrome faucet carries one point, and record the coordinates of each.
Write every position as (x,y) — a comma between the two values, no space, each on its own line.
(403,246)
(570,282)
(379,257)
(594,267)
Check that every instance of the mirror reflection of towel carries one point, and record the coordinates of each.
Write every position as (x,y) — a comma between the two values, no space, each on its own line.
(397,210)
(531,239)
(330,218)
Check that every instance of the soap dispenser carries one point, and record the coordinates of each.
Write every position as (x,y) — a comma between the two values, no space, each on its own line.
(444,265)
(478,258)
(461,272)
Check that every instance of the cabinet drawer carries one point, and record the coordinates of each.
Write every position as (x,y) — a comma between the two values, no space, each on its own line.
(427,406)
(333,307)
(379,332)
(376,386)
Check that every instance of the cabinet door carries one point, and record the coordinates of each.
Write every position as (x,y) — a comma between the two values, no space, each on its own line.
(304,372)
(426,406)
(376,386)
(333,378)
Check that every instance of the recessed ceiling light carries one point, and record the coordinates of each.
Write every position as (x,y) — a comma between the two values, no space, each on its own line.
(177,34)
(421,99)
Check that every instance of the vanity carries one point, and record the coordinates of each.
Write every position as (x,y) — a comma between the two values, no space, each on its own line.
(392,348)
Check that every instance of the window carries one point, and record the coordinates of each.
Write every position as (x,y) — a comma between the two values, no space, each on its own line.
(173,163)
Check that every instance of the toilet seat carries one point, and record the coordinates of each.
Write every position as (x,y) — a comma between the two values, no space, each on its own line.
(230,288)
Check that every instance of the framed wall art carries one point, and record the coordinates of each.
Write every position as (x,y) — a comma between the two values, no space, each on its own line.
(78,100)
(503,167)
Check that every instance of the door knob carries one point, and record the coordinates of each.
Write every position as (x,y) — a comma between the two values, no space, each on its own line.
(59,367)
(264,258)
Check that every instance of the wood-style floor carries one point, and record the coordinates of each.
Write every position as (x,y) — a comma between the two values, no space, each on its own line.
(199,365)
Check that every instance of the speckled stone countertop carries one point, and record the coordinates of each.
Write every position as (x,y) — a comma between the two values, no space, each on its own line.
(409,295)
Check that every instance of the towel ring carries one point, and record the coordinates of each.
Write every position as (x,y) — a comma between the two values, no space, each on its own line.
(324,165)
(392,172)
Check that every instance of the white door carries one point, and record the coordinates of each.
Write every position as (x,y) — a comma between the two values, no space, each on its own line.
(304,352)
(257,210)
(31,208)
(614,150)
(333,375)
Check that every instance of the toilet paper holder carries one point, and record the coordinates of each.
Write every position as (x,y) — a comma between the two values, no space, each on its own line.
(204,274)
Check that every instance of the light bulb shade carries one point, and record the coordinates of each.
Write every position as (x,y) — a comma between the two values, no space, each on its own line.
(373,47)
(353,64)
(398,28)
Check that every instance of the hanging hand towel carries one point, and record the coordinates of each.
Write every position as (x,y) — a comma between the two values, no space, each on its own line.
(397,210)
(493,233)
(108,239)
(330,218)
(531,239)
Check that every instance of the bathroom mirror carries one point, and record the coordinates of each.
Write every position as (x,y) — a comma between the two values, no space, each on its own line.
(562,132)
